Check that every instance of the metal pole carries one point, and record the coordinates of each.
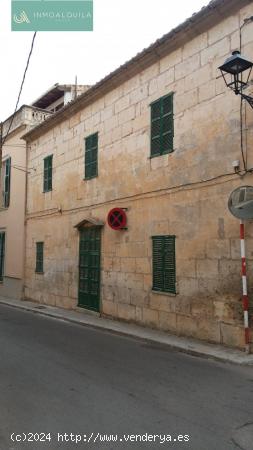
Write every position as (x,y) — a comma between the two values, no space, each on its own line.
(1,159)
(245,297)
(76,87)
(1,143)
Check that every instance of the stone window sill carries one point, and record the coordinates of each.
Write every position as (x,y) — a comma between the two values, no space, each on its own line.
(169,294)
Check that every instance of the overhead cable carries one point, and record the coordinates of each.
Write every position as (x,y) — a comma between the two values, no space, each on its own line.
(21,88)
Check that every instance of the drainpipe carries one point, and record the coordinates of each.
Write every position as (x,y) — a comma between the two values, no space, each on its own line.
(25,220)
(1,162)
(1,143)
(245,298)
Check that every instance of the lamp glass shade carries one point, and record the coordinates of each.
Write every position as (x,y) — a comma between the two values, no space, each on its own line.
(236,64)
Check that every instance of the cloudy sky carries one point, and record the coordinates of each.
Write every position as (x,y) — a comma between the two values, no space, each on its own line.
(122,28)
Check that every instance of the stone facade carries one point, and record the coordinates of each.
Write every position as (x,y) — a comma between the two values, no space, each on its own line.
(183,193)
(12,218)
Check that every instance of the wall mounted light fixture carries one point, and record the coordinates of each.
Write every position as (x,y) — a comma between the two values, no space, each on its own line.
(233,70)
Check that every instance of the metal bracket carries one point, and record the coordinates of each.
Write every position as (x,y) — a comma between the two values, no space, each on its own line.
(248,99)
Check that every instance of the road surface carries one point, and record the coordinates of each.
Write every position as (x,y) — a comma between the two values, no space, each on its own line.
(65,386)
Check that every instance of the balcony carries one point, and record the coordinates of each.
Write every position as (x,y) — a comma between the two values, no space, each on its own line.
(26,116)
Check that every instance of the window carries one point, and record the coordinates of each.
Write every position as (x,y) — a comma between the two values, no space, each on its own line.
(164,264)
(162,127)
(2,247)
(91,156)
(57,108)
(48,167)
(6,182)
(39,257)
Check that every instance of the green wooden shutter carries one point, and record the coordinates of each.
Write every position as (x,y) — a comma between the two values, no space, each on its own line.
(39,257)
(91,156)
(158,265)
(7,183)
(45,175)
(156,128)
(162,126)
(164,264)
(2,251)
(169,264)
(167,124)
(48,173)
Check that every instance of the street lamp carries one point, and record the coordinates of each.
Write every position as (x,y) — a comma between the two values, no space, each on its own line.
(232,71)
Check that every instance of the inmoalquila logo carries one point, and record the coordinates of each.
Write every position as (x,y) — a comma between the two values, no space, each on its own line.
(52,15)
(21,18)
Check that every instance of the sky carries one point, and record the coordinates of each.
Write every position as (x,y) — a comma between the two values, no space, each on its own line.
(122,28)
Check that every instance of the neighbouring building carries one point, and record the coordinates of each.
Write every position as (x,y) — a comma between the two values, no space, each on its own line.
(13,183)
(13,190)
(59,96)
(153,142)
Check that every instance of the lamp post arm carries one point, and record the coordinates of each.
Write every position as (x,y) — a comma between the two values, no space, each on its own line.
(248,99)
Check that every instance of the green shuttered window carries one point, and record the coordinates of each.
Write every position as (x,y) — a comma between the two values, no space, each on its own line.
(39,257)
(91,156)
(2,247)
(164,264)
(7,182)
(48,170)
(162,126)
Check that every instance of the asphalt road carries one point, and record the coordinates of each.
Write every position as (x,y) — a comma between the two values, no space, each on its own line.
(58,378)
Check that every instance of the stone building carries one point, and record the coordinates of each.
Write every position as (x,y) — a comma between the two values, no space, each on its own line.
(13,183)
(154,141)
(59,96)
(13,198)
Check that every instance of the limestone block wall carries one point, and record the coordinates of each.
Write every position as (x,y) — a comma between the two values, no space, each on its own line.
(208,300)
(12,218)
(184,193)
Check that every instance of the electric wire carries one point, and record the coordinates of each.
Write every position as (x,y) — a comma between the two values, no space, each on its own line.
(163,191)
(243,148)
(19,168)
(21,88)
(241,106)
(246,134)
(241,135)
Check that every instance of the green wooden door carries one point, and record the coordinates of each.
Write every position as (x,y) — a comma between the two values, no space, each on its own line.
(89,268)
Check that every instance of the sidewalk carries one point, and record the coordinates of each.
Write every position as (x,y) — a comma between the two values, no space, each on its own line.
(92,320)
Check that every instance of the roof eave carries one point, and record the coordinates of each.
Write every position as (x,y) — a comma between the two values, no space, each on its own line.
(207,17)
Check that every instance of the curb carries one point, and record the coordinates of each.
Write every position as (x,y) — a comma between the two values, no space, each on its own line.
(149,336)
